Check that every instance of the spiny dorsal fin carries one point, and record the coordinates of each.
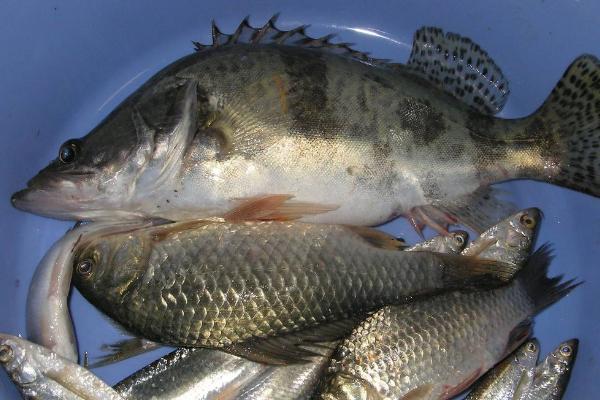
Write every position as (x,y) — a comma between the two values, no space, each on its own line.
(460,67)
(269,33)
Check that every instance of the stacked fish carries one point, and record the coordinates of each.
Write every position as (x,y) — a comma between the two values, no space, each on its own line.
(229,199)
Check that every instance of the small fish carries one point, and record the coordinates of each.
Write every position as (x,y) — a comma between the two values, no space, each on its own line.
(453,243)
(436,348)
(213,374)
(356,140)
(48,319)
(42,374)
(510,240)
(552,375)
(515,373)
(217,283)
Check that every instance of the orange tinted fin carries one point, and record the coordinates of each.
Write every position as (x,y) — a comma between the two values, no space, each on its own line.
(378,239)
(275,207)
(451,391)
(419,393)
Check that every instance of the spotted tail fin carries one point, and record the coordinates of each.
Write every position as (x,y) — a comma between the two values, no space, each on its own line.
(571,116)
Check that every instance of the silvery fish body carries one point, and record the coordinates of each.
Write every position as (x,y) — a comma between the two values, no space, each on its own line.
(436,348)
(511,378)
(269,112)
(40,373)
(552,375)
(213,283)
(452,243)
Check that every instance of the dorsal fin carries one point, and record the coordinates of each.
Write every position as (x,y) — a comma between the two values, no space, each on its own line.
(460,67)
(269,33)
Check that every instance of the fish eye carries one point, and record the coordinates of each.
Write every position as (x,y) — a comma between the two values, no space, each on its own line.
(565,350)
(531,347)
(68,151)
(527,221)
(459,239)
(85,268)
(6,353)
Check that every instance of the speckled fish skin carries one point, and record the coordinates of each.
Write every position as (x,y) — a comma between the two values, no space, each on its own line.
(510,240)
(435,348)
(42,374)
(244,120)
(453,243)
(552,375)
(512,374)
(213,283)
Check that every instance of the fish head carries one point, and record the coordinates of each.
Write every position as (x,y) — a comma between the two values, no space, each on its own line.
(511,240)
(90,175)
(455,242)
(18,359)
(105,266)
(556,367)
(528,353)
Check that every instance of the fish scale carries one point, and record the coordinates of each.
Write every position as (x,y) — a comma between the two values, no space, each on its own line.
(219,282)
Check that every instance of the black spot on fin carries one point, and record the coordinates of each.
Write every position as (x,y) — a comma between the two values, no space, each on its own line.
(542,290)
(480,209)
(292,348)
(378,239)
(270,34)
(571,117)
(460,67)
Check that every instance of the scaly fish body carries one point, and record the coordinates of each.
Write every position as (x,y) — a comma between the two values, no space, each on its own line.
(373,140)
(511,377)
(40,373)
(435,348)
(212,283)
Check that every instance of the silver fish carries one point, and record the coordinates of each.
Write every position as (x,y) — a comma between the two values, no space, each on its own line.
(215,283)
(436,348)
(264,112)
(510,240)
(48,319)
(453,243)
(552,375)
(213,374)
(511,377)
(42,374)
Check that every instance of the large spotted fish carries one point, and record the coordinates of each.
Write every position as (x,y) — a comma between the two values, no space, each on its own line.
(343,137)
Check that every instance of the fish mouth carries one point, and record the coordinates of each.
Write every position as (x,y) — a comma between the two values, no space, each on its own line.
(42,202)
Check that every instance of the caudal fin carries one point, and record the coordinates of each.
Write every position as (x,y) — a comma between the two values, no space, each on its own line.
(542,290)
(571,115)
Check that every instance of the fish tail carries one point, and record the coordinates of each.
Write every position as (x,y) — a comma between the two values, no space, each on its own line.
(542,290)
(569,122)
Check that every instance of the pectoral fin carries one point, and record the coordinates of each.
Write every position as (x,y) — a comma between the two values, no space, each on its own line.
(275,207)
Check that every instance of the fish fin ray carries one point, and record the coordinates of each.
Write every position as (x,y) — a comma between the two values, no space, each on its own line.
(419,393)
(542,290)
(293,348)
(452,391)
(569,120)
(274,207)
(378,238)
(460,67)
(269,33)
(124,349)
(466,272)
(479,210)
(518,335)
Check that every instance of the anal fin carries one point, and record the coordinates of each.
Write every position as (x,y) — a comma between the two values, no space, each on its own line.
(274,207)
(124,349)
(292,348)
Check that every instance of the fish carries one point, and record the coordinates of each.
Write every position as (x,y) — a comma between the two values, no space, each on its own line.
(347,138)
(510,240)
(552,375)
(452,243)
(216,283)
(437,347)
(513,375)
(213,374)
(40,373)
(48,318)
